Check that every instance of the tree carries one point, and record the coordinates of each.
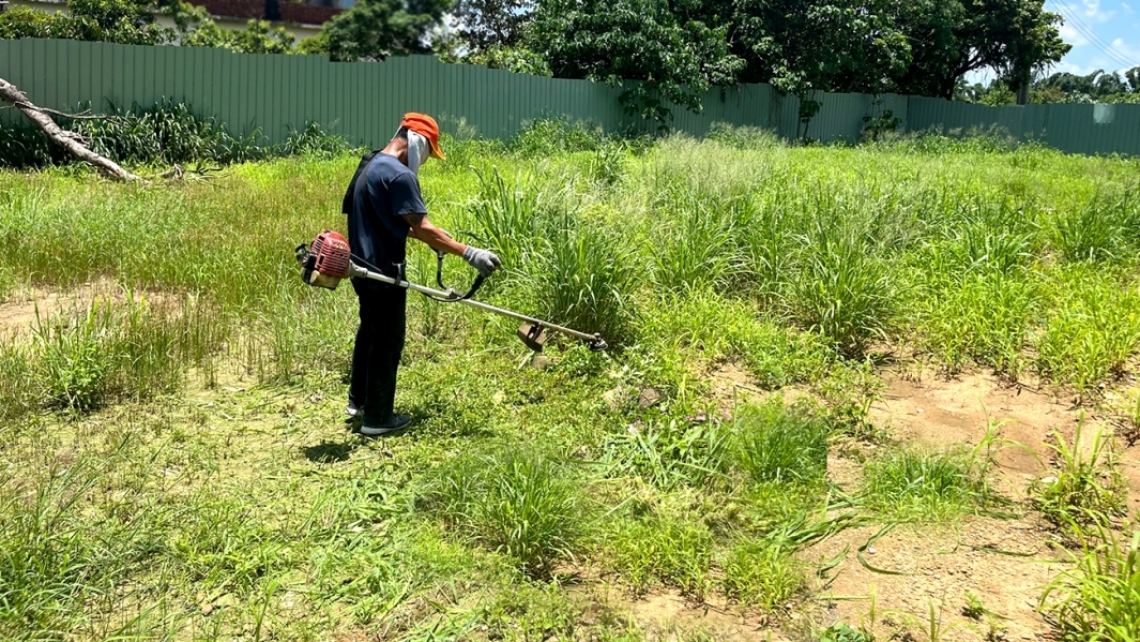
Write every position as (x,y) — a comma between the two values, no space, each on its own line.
(662,44)
(833,45)
(197,29)
(128,22)
(376,29)
(1133,76)
(950,38)
(493,23)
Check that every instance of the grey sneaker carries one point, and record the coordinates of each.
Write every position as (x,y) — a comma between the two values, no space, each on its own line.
(352,411)
(396,423)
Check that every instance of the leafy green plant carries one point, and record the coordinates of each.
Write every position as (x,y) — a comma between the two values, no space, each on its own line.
(843,632)
(1099,598)
(1087,486)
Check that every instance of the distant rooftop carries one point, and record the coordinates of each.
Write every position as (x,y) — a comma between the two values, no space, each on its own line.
(306,14)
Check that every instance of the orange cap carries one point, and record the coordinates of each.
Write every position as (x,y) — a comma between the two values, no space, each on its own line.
(425,126)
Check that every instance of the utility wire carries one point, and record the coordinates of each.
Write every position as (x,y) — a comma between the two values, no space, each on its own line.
(1074,20)
(1092,37)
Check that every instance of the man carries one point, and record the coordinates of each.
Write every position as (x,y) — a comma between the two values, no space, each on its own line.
(384,208)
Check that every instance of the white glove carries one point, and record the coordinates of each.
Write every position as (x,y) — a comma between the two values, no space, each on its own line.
(482,260)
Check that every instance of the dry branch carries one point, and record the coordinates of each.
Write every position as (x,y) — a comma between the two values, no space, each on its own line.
(65,139)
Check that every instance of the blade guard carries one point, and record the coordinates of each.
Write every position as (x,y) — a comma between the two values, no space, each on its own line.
(533,336)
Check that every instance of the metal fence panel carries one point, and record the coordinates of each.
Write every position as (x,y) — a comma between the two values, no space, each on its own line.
(277,94)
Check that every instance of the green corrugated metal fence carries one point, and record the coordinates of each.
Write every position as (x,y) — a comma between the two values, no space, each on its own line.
(362,101)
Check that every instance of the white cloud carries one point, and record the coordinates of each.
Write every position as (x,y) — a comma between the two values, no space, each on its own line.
(1127,8)
(1094,13)
(1070,35)
(1070,68)
(1126,51)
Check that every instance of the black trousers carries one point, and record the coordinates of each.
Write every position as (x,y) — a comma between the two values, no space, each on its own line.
(379,345)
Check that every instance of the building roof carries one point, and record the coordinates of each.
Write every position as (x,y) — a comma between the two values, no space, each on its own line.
(308,14)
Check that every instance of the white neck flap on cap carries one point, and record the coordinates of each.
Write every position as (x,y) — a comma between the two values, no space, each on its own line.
(418,150)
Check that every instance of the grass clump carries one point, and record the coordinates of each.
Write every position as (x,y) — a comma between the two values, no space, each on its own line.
(718,329)
(844,293)
(1099,598)
(1088,486)
(762,574)
(777,443)
(670,455)
(911,485)
(584,276)
(662,544)
(986,319)
(115,351)
(1094,329)
(519,503)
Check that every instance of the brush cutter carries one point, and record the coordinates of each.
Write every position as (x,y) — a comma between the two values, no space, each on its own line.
(328,259)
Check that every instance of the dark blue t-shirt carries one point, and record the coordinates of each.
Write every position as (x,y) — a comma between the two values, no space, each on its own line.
(385,192)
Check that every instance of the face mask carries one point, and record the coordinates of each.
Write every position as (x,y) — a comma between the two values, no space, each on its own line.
(418,150)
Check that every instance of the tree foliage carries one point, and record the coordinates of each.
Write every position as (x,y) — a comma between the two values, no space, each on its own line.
(663,45)
(954,37)
(376,29)
(485,24)
(128,22)
(132,22)
(1061,87)
(834,45)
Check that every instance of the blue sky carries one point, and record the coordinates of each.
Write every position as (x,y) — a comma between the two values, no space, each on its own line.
(1105,34)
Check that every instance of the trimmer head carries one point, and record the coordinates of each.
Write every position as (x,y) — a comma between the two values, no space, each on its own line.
(534,337)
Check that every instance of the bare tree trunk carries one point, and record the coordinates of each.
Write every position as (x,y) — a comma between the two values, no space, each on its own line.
(64,139)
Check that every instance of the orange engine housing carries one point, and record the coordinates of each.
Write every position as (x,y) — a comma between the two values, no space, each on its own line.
(333,254)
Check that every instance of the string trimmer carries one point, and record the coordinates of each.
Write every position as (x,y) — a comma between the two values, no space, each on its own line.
(328,260)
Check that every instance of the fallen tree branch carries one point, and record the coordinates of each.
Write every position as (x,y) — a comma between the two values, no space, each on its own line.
(65,139)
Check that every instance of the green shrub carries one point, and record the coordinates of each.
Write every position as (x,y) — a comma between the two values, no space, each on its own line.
(550,136)
(165,133)
(744,137)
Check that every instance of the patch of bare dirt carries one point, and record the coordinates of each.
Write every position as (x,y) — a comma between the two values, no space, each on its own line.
(668,615)
(940,412)
(19,313)
(1004,563)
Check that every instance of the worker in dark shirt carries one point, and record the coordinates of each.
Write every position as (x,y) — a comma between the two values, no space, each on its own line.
(386,208)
